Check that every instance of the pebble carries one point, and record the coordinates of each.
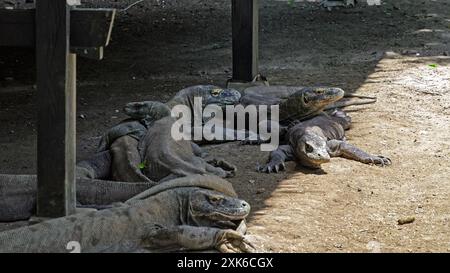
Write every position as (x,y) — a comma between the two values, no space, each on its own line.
(259,191)
(406,220)
(82,116)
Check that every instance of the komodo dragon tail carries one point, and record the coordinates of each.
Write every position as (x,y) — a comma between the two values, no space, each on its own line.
(210,182)
(345,103)
(18,194)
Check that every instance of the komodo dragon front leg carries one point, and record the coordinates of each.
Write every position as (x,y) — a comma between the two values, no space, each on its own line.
(339,148)
(158,238)
(277,159)
(185,237)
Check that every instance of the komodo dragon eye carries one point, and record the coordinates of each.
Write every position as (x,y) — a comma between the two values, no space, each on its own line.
(216,92)
(215,199)
(308,148)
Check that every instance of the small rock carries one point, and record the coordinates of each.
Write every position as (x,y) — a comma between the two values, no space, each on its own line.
(82,116)
(406,220)
(251,181)
(12,132)
(446,53)
(117,111)
(259,191)
(338,245)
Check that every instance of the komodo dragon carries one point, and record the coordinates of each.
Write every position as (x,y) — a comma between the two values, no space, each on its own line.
(122,140)
(164,156)
(312,143)
(190,213)
(298,102)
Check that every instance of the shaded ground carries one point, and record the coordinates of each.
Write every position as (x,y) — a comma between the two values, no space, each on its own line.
(164,46)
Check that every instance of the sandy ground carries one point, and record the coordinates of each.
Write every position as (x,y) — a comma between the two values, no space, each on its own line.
(397,51)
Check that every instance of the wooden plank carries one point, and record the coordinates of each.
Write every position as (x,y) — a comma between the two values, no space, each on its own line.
(89,27)
(55,80)
(245,39)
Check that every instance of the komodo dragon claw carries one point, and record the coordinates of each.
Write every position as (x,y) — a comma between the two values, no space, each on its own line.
(231,241)
(272,167)
(379,160)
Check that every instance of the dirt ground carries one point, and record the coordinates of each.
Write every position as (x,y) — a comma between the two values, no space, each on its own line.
(397,52)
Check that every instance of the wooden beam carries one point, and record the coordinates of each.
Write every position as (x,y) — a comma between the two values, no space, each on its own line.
(89,27)
(93,53)
(56,110)
(245,29)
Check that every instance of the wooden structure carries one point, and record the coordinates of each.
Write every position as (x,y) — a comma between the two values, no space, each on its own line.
(245,27)
(58,31)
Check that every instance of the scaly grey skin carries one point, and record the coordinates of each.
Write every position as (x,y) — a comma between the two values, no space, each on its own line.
(126,161)
(126,158)
(94,189)
(313,142)
(175,218)
(210,94)
(298,102)
(142,115)
(163,155)
(18,194)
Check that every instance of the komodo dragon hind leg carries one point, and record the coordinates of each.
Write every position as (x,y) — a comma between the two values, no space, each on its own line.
(339,148)
(126,161)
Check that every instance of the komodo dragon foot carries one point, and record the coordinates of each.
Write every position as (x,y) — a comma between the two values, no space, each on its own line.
(229,169)
(377,160)
(230,241)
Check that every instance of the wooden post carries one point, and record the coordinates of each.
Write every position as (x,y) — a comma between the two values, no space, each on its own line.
(245,39)
(56,110)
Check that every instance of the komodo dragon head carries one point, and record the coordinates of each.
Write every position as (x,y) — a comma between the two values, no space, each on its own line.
(211,208)
(210,94)
(150,110)
(311,150)
(309,101)
(221,97)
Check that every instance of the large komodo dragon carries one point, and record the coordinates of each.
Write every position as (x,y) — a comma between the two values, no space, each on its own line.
(122,140)
(312,143)
(191,213)
(300,103)
(164,156)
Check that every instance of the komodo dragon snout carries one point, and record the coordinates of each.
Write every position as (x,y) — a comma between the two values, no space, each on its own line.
(210,208)
(311,151)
